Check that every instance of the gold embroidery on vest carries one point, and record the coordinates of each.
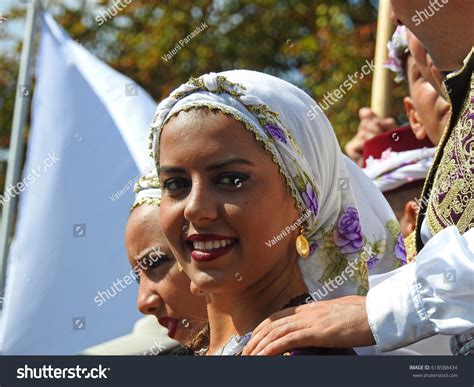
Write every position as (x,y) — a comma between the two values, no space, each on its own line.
(454,181)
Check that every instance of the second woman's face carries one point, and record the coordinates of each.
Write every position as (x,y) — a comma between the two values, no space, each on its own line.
(163,289)
(223,200)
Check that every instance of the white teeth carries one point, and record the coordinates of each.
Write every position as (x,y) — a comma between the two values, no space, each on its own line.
(210,245)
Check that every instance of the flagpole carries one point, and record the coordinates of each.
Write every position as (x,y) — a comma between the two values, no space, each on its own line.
(381,83)
(15,155)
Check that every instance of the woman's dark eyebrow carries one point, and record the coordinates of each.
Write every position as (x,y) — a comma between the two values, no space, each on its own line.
(147,252)
(227,162)
(171,170)
(220,164)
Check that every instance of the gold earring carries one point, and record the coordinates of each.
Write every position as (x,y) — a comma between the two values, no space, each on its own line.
(180,267)
(302,245)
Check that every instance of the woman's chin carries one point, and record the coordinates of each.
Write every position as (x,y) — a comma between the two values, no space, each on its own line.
(216,281)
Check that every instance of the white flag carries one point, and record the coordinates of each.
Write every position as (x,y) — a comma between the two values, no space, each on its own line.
(68,281)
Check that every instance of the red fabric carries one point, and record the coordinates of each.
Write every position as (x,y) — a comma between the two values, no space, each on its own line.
(399,140)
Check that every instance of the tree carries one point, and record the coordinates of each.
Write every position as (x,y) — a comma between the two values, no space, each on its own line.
(315,44)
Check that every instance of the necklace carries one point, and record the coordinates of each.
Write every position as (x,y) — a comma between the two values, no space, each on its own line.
(234,346)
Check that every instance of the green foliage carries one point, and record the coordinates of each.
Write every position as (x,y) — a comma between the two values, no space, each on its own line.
(315,44)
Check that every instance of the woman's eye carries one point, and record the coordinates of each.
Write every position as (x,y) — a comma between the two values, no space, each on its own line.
(137,276)
(154,261)
(149,263)
(234,180)
(175,184)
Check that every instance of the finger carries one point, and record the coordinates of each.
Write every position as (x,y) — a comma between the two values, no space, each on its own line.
(285,316)
(276,333)
(291,341)
(387,124)
(266,332)
(370,127)
(365,113)
(281,314)
(373,127)
(265,327)
(257,336)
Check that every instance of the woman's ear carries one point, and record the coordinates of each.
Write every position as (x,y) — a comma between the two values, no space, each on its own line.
(414,118)
(408,221)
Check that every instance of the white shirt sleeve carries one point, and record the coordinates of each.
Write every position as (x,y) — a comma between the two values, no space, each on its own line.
(435,295)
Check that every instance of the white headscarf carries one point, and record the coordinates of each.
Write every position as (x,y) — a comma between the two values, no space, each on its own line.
(395,169)
(147,189)
(351,228)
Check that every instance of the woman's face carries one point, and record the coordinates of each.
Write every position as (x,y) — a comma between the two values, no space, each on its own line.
(163,289)
(424,62)
(223,200)
(431,110)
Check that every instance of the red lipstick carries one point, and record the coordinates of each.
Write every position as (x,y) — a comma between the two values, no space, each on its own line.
(170,323)
(207,247)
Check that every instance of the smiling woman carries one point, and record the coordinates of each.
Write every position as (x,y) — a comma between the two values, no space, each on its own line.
(163,288)
(239,160)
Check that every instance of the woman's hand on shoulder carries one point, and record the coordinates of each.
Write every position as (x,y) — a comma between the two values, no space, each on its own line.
(337,323)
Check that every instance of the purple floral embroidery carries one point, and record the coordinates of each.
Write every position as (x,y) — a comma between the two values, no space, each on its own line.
(310,199)
(347,235)
(372,262)
(276,132)
(400,251)
(312,248)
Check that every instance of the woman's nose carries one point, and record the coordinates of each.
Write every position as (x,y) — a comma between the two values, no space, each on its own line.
(201,204)
(148,301)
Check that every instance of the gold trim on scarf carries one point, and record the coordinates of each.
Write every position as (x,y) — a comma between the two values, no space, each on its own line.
(410,246)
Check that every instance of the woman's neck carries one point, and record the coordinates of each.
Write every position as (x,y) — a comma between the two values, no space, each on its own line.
(242,311)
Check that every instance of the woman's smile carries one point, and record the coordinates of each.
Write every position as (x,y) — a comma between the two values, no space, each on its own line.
(207,247)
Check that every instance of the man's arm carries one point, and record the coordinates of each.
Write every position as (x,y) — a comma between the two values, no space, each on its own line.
(435,295)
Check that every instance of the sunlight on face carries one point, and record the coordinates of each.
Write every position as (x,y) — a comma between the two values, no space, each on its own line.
(163,290)
(223,198)
(431,108)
